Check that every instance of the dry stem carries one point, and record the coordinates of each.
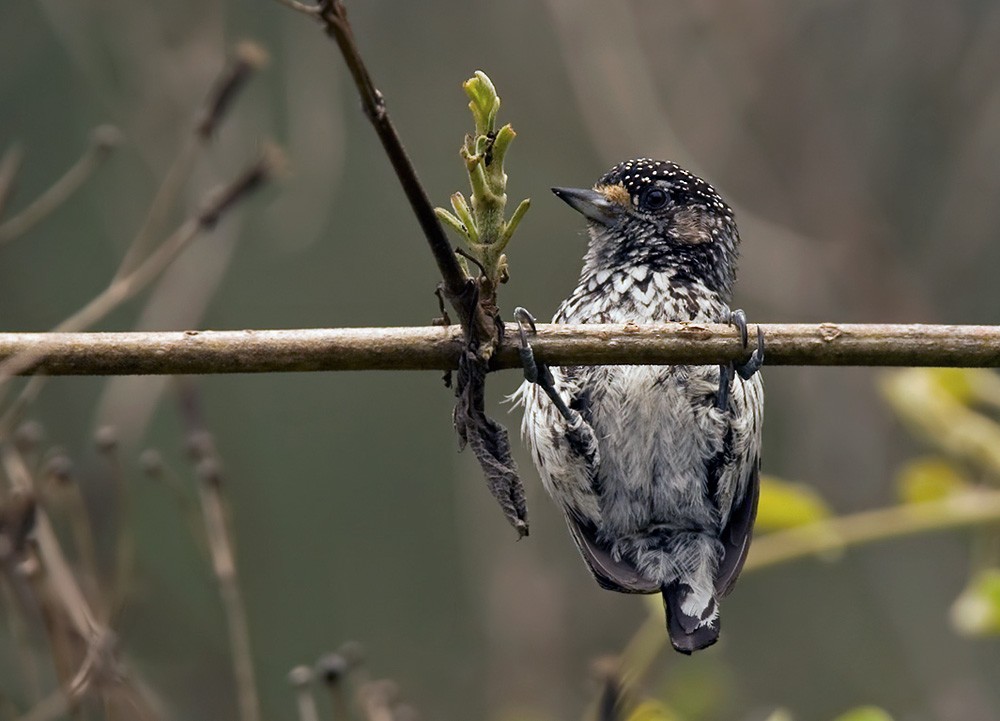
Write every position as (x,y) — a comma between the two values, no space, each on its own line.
(103,141)
(438,348)
(219,534)
(122,288)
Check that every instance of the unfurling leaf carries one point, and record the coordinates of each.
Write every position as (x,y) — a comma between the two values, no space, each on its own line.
(481,218)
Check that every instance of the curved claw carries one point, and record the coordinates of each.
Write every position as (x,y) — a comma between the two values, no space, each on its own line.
(756,360)
(524,318)
(535,372)
(745,370)
(739,319)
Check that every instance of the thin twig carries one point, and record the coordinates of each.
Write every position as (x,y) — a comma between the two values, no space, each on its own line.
(333,669)
(77,609)
(10,164)
(219,533)
(156,469)
(266,167)
(27,659)
(973,508)
(75,618)
(247,58)
(439,347)
(130,275)
(106,440)
(103,140)
(333,16)
(310,10)
(301,679)
(58,482)
(377,698)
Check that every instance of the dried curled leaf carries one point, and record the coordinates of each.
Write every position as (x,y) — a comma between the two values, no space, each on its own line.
(488,439)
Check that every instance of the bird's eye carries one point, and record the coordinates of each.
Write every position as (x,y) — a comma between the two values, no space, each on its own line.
(654,199)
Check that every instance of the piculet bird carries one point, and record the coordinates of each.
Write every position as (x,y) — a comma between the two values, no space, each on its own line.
(655,467)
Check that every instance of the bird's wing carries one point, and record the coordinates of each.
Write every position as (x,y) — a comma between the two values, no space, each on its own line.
(610,574)
(736,535)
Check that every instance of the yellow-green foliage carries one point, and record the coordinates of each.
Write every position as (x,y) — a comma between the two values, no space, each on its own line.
(929,479)
(865,713)
(940,406)
(652,711)
(784,504)
(976,612)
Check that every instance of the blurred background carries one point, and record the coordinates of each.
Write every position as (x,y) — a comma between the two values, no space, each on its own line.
(860,145)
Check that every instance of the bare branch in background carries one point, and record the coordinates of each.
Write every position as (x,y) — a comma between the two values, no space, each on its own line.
(103,140)
(333,16)
(247,58)
(83,648)
(10,164)
(268,166)
(301,679)
(221,545)
(141,266)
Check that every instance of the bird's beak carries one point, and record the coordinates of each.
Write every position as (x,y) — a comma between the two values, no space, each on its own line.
(592,203)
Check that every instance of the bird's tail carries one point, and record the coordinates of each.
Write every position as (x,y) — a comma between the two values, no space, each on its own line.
(692,621)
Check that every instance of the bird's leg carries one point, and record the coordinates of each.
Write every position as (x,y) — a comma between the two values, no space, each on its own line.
(726,373)
(579,433)
(535,372)
(745,370)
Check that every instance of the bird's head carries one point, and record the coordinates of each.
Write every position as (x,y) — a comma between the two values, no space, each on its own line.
(655,213)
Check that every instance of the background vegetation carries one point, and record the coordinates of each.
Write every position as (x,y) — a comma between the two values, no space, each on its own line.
(860,143)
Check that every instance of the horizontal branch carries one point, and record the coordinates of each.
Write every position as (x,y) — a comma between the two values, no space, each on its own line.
(438,348)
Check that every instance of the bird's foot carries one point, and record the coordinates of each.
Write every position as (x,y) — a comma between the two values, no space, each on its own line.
(579,434)
(754,363)
(536,372)
(745,370)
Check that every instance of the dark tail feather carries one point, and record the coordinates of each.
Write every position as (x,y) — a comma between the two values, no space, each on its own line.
(686,635)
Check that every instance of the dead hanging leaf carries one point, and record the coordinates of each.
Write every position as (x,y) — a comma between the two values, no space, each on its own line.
(487,438)
(489,441)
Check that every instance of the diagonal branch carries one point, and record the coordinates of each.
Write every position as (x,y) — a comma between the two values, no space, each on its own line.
(475,304)
(333,16)
(439,348)
(103,140)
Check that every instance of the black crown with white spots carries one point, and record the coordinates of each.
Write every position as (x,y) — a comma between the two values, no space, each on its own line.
(682,187)
(677,222)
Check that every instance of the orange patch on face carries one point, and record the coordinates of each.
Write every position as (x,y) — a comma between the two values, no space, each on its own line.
(615,193)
